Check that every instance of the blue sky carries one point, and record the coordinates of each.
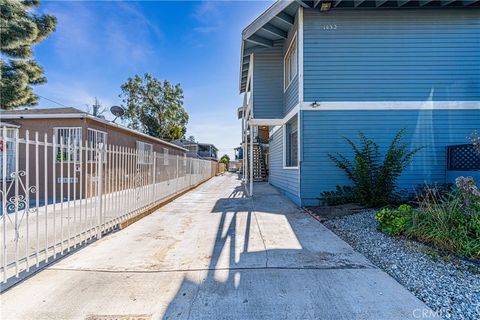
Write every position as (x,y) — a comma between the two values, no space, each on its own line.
(99,44)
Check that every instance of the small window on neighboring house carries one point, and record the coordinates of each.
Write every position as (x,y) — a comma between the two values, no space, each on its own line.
(291,143)
(96,139)
(68,143)
(7,148)
(144,152)
(290,63)
(165,156)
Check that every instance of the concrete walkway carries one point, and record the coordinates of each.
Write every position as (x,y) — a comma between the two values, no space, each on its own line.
(215,254)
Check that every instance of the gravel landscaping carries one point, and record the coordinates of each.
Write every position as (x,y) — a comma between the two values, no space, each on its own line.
(448,285)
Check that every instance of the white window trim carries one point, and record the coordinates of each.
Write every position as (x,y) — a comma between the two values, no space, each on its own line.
(10,152)
(89,144)
(391,105)
(99,131)
(139,157)
(293,41)
(284,143)
(55,131)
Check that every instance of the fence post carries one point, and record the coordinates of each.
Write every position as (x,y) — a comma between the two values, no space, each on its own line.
(190,160)
(4,202)
(154,189)
(176,179)
(100,188)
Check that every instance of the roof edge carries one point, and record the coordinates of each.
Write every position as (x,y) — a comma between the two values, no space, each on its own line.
(86,116)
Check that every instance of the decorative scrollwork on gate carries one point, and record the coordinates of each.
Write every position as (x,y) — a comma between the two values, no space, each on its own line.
(17,207)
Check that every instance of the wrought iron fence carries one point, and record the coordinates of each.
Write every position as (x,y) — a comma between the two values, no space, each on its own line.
(57,195)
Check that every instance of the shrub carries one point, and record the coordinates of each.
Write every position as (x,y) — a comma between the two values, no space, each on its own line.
(394,222)
(374,179)
(429,192)
(341,195)
(475,140)
(450,221)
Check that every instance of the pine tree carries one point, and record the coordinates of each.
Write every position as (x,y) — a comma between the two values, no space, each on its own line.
(20,30)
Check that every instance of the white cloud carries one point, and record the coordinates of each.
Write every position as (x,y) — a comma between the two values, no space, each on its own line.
(208,16)
(88,33)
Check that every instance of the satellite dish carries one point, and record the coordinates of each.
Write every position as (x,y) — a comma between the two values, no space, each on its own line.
(117,111)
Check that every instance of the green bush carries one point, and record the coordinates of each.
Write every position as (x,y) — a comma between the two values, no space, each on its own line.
(394,222)
(374,179)
(449,222)
(341,195)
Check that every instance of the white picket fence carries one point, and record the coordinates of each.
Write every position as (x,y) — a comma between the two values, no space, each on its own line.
(56,197)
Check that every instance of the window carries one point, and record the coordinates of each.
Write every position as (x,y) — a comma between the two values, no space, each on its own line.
(291,143)
(290,63)
(165,156)
(144,152)
(68,143)
(191,147)
(96,139)
(7,148)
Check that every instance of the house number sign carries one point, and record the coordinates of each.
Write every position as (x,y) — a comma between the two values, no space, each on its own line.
(329,27)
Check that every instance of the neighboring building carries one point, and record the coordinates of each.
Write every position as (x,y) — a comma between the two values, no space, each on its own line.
(234,165)
(198,150)
(75,125)
(72,128)
(207,151)
(238,153)
(191,146)
(316,71)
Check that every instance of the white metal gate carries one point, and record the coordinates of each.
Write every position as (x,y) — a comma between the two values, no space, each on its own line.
(58,194)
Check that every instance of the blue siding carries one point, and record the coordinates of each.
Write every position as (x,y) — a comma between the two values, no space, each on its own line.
(284,179)
(392,55)
(452,175)
(435,129)
(290,97)
(268,83)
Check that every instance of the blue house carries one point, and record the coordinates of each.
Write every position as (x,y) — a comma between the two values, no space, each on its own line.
(313,72)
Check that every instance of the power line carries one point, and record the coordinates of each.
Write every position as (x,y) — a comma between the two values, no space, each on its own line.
(56,102)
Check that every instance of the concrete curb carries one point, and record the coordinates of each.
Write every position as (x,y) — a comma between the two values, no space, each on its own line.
(313,215)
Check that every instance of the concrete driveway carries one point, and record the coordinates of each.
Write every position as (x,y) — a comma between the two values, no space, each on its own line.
(215,254)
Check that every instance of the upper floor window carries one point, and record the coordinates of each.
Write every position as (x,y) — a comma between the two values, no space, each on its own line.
(291,143)
(144,152)
(290,63)
(68,143)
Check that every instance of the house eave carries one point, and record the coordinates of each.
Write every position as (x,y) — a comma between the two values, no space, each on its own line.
(252,40)
(86,116)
